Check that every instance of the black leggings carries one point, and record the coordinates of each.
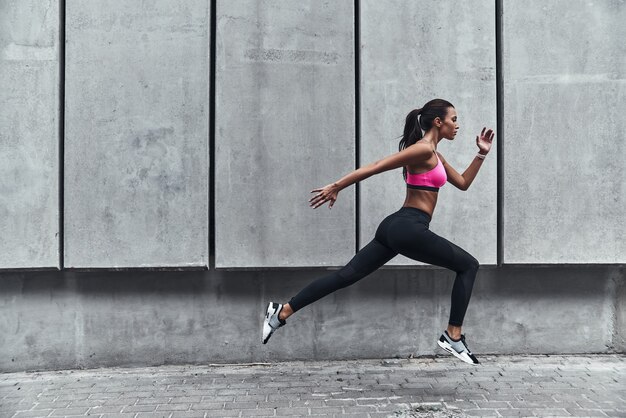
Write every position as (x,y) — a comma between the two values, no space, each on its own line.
(404,232)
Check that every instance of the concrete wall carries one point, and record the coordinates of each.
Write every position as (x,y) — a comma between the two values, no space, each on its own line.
(285,124)
(136,129)
(418,58)
(564,180)
(53,320)
(29,133)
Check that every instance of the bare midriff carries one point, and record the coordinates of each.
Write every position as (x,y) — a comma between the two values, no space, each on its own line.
(423,200)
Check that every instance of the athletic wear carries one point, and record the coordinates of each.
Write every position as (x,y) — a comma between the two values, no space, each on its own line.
(431,180)
(404,232)
(458,348)
(271,322)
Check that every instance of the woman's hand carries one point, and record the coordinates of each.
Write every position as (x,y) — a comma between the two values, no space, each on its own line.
(484,141)
(325,194)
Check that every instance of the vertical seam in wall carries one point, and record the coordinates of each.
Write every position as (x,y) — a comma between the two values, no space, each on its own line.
(61,180)
(213,31)
(357,118)
(500,136)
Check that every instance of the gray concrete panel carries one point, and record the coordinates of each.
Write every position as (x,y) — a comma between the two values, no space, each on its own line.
(285,124)
(443,49)
(136,146)
(564,87)
(56,320)
(29,133)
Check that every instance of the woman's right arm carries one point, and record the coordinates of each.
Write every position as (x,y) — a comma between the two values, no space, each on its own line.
(405,157)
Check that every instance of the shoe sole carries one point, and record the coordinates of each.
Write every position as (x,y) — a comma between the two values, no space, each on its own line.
(449,349)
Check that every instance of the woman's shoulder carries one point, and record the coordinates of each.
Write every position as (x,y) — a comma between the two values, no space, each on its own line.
(421,149)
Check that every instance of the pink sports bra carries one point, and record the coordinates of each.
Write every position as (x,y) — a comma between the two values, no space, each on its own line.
(431,180)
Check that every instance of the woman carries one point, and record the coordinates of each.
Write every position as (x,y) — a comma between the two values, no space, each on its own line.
(406,231)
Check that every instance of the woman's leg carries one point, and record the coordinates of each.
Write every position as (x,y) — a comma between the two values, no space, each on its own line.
(421,244)
(367,260)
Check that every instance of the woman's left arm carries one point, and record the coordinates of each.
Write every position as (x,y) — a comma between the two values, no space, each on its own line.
(463,181)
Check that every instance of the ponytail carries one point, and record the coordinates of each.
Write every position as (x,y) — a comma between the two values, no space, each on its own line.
(412,132)
(421,120)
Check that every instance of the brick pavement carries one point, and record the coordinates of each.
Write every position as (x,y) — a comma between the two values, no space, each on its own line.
(503,386)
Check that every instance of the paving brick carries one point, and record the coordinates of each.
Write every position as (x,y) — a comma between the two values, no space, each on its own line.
(241,405)
(149,401)
(492,404)
(219,398)
(482,413)
(372,401)
(173,407)
(52,405)
(243,385)
(460,405)
(326,410)
(234,392)
(307,403)
(548,412)
(279,404)
(340,402)
(280,397)
(261,412)
(187,414)
(153,415)
(222,413)
(52,398)
(69,411)
(533,404)
(515,412)
(391,407)
(296,411)
(250,398)
(32,414)
(139,408)
(111,409)
(363,410)
(288,391)
(186,399)
(103,396)
(202,406)
(586,412)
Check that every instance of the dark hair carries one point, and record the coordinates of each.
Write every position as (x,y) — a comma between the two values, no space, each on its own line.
(419,120)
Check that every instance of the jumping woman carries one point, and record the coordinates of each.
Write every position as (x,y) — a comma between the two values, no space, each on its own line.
(406,231)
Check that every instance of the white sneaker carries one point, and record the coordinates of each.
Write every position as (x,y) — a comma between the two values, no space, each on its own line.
(271,322)
(458,349)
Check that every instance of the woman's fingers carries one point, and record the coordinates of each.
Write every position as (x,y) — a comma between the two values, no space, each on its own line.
(318,204)
(486,136)
(316,199)
(320,193)
(319,199)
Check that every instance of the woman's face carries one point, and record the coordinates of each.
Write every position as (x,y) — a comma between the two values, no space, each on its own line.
(449,127)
